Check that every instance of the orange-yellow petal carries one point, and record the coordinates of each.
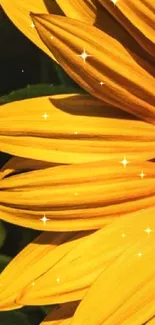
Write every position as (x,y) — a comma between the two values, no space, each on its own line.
(126,287)
(32,263)
(128,80)
(18,164)
(18,12)
(77,197)
(74,128)
(137,17)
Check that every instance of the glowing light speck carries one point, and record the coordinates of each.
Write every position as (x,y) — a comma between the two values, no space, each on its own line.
(58,280)
(142,174)
(101,83)
(123,235)
(76,132)
(124,161)
(84,55)
(139,254)
(32,25)
(114,1)
(33,283)
(44,219)
(148,230)
(45,116)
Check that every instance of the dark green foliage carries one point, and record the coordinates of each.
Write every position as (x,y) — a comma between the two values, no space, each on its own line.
(13,318)
(37,91)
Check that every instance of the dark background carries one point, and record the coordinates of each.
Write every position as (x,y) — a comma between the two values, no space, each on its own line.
(21,62)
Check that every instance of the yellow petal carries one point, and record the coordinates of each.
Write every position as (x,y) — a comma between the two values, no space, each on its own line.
(44,275)
(77,197)
(32,263)
(127,83)
(18,12)
(78,128)
(126,287)
(151,321)
(17,164)
(137,17)
(61,315)
(92,12)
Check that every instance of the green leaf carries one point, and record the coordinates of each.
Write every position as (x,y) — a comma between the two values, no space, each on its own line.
(38,91)
(4,260)
(2,234)
(13,318)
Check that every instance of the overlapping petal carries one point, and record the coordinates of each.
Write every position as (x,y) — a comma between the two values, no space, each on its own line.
(31,263)
(127,82)
(66,272)
(61,315)
(137,17)
(17,164)
(77,197)
(18,11)
(92,12)
(126,287)
(78,128)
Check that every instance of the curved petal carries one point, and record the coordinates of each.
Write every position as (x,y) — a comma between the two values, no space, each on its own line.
(78,128)
(61,315)
(127,84)
(137,17)
(18,12)
(93,13)
(77,197)
(126,287)
(47,275)
(18,164)
(32,263)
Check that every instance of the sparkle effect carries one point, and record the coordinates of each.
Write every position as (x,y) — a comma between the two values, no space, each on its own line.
(44,219)
(142,174)
(101,83)
(114,1)
(45,116)
(123,235)
(76,132)
(58,280)
(124,162)
(139,254)
(33,283)
(84,55)
(148,230)
(32,25)
(76,193)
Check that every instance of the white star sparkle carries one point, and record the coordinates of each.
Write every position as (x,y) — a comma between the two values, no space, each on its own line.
(124,162)
(148,230)
(84,55)
(101,83)
(114,1)
(44,219)
(32,25)
(142,174)
(45,116)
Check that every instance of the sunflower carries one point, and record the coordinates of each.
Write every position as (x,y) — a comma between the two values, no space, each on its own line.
(85,170)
